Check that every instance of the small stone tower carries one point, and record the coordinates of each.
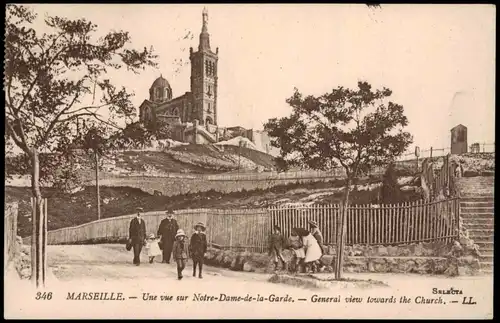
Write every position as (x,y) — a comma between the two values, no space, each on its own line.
(459,139)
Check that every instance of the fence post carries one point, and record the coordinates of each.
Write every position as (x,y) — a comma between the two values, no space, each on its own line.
(457,215)
(230,231)
(45,241)
(6,240)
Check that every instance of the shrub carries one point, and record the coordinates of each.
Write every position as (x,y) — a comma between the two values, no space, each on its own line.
(390,192)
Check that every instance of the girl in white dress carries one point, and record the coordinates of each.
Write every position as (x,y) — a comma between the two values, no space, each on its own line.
(312,248)
(152,247)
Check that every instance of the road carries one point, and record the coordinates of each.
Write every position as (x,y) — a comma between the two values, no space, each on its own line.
(108,268)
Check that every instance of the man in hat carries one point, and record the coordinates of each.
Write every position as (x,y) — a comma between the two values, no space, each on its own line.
(167,230)
(137,235)
(198,247)
(277,243)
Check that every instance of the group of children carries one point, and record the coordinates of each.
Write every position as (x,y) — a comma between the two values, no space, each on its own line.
(183,249)
(307,247)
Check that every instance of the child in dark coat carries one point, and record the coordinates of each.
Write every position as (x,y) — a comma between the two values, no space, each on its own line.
(277,243)
(299,253)
(180,252)
(197,248)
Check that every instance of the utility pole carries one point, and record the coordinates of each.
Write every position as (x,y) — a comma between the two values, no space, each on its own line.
(417,154)
(98,195)
(240,143)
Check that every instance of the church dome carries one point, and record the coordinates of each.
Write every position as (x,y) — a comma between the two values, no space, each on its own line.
(161,82)
(160,90)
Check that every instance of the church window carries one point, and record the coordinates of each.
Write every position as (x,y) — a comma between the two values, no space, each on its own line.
(209,109)
(209,68)
(175,112)
(212,68)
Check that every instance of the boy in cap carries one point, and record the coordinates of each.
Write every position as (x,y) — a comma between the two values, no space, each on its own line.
(277,243)
(180,252)
(198,247)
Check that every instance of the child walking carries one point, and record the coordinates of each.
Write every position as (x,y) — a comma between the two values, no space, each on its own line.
(180,252)
(197,248)
(298,251)
(276,244)
(152,247)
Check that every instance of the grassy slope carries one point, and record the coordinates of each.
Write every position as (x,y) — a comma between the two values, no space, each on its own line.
(70,210)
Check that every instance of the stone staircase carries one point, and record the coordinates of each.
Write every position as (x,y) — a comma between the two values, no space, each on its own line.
(477,205)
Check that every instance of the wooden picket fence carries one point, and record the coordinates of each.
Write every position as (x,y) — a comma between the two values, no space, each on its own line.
(249,229)
(380,225)
(9,232)
(243,229)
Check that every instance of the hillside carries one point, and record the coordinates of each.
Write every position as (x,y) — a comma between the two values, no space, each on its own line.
(67,209)
(217,159)
(187,159)
(194,159)
(73,209)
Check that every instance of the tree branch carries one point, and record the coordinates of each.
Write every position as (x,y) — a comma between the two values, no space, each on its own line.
(56,119)
(32,85)
(19,142)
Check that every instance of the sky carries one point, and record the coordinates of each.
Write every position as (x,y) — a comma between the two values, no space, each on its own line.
(439,60)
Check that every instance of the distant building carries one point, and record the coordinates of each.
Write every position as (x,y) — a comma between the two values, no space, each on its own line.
(262,141)
(475,148)
(459,139)
(192,116)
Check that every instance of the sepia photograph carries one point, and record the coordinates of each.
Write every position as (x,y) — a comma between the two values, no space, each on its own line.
(238,161)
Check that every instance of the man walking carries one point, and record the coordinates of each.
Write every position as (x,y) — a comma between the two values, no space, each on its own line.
(167,230)
(137,235)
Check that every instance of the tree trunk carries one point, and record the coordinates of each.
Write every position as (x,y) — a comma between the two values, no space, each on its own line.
(341,232)
(38,242)
(98,194)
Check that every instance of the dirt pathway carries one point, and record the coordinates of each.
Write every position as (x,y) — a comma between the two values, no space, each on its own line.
(112,262)
(108,268)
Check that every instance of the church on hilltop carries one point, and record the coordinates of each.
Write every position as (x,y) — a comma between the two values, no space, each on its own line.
(192,117)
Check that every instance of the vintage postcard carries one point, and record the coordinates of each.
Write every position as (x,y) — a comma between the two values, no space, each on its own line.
(249,161)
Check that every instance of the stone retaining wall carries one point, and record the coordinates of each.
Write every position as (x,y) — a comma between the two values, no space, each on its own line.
(179,186)
(431,249)
(22,259)
(431,258)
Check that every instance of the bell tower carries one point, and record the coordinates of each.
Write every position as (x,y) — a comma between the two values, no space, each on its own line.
(204,77)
